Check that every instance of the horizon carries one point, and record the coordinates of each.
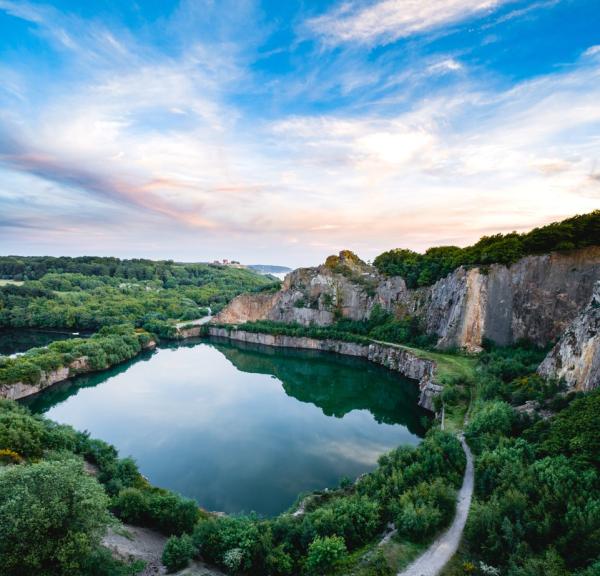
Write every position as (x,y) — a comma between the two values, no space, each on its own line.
(280,134)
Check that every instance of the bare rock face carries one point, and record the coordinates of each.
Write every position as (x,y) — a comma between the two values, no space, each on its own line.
(18,390)
(535,299)
(576,356)
(248,308)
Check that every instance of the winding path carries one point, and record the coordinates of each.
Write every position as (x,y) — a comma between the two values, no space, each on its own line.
(198,322)
(433,560)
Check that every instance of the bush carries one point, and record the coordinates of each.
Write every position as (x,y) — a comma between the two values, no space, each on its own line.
(52,516)
(324,554)
(425,509)
(160,509)
(19,431)
(491,421)
(178,552)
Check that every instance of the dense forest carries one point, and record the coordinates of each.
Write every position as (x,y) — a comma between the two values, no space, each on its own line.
(535,511)
(537,474)
(89,293)
(437,262)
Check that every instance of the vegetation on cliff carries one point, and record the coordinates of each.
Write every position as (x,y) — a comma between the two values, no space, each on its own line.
(437,262)
(110,346)
(381,325)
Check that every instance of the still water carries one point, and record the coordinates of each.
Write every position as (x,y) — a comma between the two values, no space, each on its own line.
(243,428)
(17,340)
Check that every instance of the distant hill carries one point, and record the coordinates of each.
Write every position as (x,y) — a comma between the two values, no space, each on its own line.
(269,269)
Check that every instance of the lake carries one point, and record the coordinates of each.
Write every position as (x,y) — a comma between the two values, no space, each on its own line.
(17,341)
(239,427)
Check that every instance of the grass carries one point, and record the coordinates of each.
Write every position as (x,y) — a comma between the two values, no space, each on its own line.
(397,552)
(450,368)
(8,282)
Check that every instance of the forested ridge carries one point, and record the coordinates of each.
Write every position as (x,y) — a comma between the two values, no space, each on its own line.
(437,262)
(89,293)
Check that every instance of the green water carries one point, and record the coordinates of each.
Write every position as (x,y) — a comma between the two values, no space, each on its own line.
(240,427)
(14,341)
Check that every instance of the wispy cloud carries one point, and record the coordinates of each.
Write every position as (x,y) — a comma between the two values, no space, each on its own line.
(159,150)
(387,20)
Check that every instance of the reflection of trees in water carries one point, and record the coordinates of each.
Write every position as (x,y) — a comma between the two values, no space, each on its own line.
(334,383)
(18,340)
(58,393)
(337,384)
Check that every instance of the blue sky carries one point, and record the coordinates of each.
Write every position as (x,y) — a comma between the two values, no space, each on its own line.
(285,131)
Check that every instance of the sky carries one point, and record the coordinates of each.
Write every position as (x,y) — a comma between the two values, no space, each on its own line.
(282,131)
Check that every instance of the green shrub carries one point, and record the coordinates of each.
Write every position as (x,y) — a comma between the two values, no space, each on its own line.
(425,509)
(19,431)
(324,554)
(52,516)
(177,553)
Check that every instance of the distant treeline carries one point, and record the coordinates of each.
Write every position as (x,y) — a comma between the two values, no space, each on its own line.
(87,300)
(425,269)
(167,271)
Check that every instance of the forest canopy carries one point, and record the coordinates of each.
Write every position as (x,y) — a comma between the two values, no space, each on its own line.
(425,269)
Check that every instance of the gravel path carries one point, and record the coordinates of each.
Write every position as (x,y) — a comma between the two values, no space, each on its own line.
(433,560)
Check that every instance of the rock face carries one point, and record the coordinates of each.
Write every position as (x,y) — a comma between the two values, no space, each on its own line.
(536,299)
(248,307)
(20,390)
(394,358)
(576,356)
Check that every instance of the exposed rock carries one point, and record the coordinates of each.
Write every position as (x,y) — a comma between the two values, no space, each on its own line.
(576,356)
(19,390)
(536,298)
(248,307)
(395,358)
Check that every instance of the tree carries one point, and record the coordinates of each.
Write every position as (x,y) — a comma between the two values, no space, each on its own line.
(324,554)
(52,516)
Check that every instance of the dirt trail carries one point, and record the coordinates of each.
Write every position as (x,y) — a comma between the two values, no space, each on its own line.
(136,543)
(433,560)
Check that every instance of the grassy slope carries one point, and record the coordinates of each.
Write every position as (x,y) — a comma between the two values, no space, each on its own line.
(449,367)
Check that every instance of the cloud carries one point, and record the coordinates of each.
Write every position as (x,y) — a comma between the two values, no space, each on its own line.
(159,152)
(592,50)
(388,20)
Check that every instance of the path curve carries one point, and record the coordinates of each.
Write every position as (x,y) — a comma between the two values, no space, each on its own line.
(433,560)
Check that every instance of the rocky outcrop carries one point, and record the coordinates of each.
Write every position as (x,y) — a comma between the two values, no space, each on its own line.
(19,390)
(535,299)
(394,358)
(249,307)
(576,356)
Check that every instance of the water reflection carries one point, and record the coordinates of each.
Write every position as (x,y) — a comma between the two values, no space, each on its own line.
(241,427)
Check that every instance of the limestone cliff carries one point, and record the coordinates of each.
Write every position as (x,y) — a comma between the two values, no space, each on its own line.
(536,298)
(576,356)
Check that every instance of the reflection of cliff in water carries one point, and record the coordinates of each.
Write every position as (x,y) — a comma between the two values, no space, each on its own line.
(58,393)
(334,383)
